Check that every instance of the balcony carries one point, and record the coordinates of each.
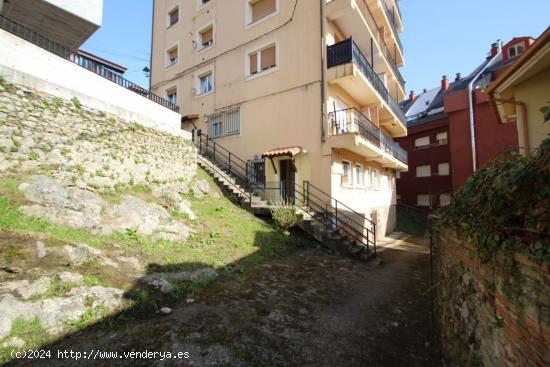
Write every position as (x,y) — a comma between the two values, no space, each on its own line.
(350,69)
(383,15)
(350,129)
(68,23)
(354,17)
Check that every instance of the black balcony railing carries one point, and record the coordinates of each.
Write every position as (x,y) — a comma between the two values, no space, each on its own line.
(351,120)
(347,51)
(61,51)
(363,7)
(393,23)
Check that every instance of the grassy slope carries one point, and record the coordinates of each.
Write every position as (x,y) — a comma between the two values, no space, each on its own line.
(411,222)
(227,238)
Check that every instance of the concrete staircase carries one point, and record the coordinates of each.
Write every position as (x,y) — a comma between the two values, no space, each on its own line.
(250,201)
(331,226)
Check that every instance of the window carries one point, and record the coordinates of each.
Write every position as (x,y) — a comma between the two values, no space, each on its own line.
(201,3)
(444,199)
(374,178)
(346,174)
(443,169)
(224,123)
(206,37)
(172,56)
(423,171)
(358,175)
(516,50)
(389,182)
(422,142)
(398,174)
(262,60)
(206,83)
(260,9)
(441,138)
(422,200)
(172,95)
(173,17)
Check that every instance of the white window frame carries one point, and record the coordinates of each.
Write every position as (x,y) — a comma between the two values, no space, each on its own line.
(439,169)
(416,146)
(423,195)
(258,50)
(374,179)
(359,177)
(201,5)
(423,166)
(169,89)
(397,175)
(200,48)
(349,182)
(198,83)
(440,140)
(248,14)
(515,48)
(167,64)
(168,25)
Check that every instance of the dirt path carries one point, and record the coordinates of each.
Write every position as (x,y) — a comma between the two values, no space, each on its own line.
(317,310)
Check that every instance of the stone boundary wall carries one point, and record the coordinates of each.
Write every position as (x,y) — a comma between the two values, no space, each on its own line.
(27,64)
(492,314)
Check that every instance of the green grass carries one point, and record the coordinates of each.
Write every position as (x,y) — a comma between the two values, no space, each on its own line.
(411,221)
(31,331)
(89,316)
(93,280)
(58,288)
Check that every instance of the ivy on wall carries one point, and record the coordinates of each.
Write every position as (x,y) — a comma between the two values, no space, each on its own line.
(505,207)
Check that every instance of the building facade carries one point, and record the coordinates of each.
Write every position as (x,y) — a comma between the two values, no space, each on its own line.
(440,135)
(521,96)
(307,89)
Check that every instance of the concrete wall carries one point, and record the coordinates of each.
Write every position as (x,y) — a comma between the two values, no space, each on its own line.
(491,314)
(26,64)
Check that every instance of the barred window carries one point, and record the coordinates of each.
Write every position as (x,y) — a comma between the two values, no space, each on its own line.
(224,123)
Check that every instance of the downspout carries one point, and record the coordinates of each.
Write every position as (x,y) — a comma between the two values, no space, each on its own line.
(1,5)
(471,106)
(323,47)
(152,35)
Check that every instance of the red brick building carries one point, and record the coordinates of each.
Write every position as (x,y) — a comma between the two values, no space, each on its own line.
(439,140)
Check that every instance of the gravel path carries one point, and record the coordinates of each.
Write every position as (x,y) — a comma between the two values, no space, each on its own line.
(317,309)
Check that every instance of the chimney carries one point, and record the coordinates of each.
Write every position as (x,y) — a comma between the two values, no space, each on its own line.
(458,77)
(444,83)
(424,90)
(412,96)
(494,49)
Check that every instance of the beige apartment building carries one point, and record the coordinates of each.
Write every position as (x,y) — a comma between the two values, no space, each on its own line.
(307,89)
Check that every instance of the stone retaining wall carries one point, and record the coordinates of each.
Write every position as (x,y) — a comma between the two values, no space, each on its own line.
(491,314)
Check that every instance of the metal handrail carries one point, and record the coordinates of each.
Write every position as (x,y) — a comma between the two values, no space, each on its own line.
(72,56)
(351,120)
(392,22)
(369,17)
(347,51)
(332,211)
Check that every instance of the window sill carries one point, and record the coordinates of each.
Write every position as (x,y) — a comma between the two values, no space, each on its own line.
(170,66)
(203,49)
(249,25)
(263,73)
(172,25)
(205,5)
(204,94)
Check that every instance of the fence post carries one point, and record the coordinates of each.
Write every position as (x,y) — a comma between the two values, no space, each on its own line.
(214,154)
(229,162)
(336,214)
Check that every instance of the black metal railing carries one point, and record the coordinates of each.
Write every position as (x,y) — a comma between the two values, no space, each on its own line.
(332,213)
(393,23)
(351,120)
(70,55)
(369,17)
(335,215)
(347,51)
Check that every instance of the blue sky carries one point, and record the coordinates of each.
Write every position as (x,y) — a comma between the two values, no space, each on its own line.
(441,36)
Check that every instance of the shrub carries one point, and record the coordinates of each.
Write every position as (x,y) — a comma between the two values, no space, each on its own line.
(284,216)
(503,208)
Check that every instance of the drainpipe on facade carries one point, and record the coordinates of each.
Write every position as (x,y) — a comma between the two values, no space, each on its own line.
(471,105)
(1,5)
(323,47)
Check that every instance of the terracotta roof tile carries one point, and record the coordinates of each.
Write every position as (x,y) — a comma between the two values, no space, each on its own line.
(277,152)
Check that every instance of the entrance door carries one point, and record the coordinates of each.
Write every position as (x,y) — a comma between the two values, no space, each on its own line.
(286,169)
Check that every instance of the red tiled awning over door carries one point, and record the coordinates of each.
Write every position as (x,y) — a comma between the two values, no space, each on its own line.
(278,152)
